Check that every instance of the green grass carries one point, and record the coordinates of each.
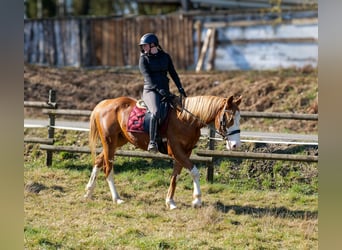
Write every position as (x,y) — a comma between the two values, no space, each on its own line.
(250,205)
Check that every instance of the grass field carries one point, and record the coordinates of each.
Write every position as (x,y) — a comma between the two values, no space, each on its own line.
(250,205)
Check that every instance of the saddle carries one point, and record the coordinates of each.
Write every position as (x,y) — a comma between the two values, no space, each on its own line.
(139,122)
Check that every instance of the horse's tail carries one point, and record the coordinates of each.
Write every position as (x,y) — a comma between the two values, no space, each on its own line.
(93,135)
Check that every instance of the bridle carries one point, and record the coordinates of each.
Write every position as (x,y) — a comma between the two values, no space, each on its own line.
(223,124)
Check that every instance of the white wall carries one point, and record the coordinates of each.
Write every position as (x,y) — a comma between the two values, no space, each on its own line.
(269,54)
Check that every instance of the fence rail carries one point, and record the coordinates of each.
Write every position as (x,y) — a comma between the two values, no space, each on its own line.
(121,153)
(30,104)
(72,112)
(292,116)
(247,114)
(263,156)
(205,156)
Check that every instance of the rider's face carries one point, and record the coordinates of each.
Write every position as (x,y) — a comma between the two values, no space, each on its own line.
(146,47)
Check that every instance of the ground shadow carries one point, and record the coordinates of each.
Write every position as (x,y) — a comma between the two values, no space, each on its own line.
(278,212)
(142,164)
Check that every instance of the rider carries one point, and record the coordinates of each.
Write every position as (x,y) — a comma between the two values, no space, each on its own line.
(154,64)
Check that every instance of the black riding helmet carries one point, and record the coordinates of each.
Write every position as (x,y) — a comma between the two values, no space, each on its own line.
(149,38)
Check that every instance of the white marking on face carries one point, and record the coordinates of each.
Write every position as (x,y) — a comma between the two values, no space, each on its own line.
(233,141)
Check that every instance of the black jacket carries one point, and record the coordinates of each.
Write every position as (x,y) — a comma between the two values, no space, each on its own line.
(154,68)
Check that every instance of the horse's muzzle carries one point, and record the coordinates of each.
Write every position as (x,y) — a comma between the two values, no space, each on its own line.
(233,141)
(232,145)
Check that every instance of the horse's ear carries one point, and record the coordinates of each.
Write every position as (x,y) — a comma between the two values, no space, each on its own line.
(238,101)
(230,100)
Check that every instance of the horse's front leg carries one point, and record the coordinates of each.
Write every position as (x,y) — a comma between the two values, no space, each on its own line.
(110,180)
(195,175)
(183,160)
(169,201)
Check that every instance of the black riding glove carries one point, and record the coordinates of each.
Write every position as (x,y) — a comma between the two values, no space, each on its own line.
(182,92)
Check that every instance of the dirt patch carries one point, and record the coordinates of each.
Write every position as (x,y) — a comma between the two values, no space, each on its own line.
(287,90)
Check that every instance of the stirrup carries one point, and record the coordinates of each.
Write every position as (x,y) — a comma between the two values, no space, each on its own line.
(152,147)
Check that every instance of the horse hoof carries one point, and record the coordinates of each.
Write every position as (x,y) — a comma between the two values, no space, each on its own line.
(170,204)
(196,203)
(87,197)
(118,201)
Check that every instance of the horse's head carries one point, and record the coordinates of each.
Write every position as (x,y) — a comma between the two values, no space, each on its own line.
(229,123)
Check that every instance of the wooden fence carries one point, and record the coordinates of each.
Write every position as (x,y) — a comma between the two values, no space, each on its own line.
(205,156)
(107,41)
(201,41)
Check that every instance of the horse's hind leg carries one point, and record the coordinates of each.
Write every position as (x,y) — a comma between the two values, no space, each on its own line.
(91,183)
(92,180)
(108,169)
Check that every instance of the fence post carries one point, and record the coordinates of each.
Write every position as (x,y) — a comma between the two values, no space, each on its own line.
(51,129)
(210,166)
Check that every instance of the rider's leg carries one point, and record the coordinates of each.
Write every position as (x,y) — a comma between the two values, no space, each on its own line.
(152,146)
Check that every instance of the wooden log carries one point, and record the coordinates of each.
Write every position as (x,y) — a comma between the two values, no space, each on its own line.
(212,51)
(260,156)
(204,50)
(198,28)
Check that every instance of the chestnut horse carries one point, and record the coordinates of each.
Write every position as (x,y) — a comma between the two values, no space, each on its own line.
(108,121)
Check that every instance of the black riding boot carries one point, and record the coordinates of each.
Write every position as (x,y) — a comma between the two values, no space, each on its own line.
(152,146)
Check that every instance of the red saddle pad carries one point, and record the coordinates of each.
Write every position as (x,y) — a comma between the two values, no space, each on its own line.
(136,120)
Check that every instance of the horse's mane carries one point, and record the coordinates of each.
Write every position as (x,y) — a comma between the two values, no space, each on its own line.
(204,108)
